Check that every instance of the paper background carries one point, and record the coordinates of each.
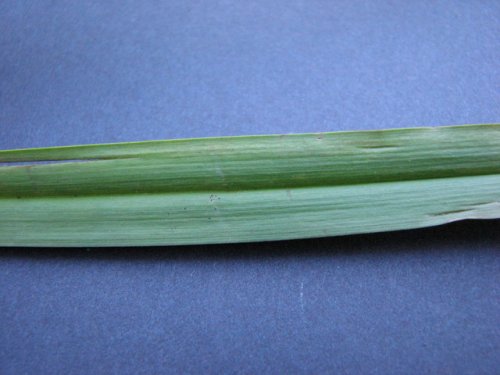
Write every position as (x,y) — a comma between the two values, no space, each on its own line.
(424,301)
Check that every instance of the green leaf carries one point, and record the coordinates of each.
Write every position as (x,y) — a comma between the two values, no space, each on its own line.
(256,188)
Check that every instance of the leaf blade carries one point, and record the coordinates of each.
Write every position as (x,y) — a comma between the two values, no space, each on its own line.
(450,176)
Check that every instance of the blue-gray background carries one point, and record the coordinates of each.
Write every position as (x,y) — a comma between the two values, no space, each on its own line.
(424,301)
